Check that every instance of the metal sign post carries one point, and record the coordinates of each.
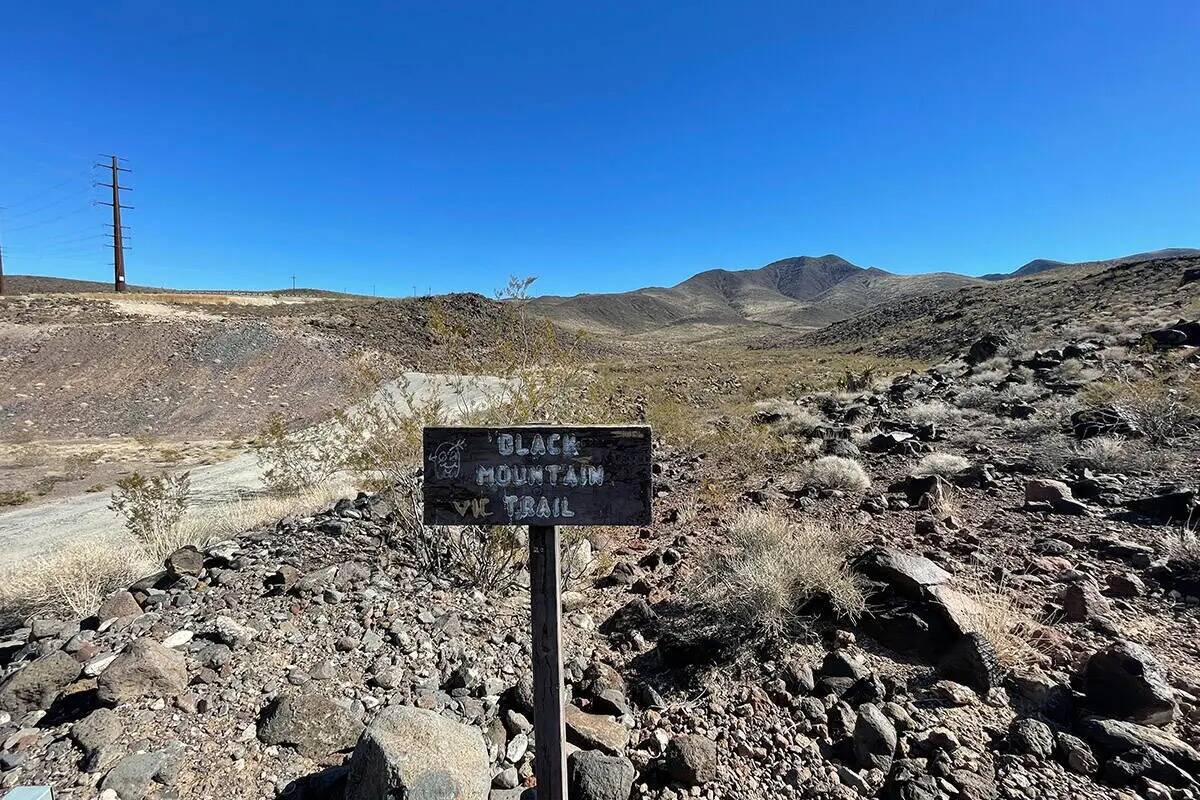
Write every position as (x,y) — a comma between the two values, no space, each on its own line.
(541,476)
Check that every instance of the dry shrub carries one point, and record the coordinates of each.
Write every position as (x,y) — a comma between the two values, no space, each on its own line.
(835,472)
(153,507)
(757,588)
(72,580)
(943,464)
(1164,407)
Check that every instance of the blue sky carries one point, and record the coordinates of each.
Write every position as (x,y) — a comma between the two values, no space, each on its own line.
(601,147)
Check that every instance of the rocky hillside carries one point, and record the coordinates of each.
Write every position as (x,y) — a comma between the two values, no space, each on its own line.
(1100,298)
(799,292)
(1015,526)
(1039,265)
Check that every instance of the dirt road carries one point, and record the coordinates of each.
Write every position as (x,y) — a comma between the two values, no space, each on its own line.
(28,532)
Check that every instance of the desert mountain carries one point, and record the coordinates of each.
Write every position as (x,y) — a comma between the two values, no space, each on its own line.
(803,292)
(1039,265)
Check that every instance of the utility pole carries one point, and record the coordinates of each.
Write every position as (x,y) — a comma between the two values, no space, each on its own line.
(293,283)
(118,245)
(1,270)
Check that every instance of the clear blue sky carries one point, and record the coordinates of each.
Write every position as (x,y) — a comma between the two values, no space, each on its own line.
(601,147)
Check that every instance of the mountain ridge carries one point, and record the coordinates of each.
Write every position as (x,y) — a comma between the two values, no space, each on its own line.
(797,293)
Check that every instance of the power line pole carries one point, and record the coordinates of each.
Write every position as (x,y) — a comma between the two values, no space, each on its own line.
(1,265)
(118,245)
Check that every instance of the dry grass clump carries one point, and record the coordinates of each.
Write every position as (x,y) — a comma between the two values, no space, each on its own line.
(988,377)
(981,397)
(1005,620)
(771,570)
(13,498)
(249,513)
(943,464)
(73,579)
(932,411)
(835,472)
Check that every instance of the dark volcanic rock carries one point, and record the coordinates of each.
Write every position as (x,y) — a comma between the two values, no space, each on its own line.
(592,775)
(311,722)
(909,574)
(37,684)
(972,661)
(1124,680)
(874,738)
(1178,505)
(691,759)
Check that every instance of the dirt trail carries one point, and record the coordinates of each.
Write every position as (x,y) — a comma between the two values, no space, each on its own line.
(36,530)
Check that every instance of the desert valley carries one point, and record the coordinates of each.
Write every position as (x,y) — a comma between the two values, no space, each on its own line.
(922,537)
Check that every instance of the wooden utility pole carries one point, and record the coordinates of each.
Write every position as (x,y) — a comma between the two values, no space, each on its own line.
(1,269)
(118,245)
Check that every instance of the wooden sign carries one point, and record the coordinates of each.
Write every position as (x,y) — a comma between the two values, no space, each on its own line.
(537,475)
(541,476)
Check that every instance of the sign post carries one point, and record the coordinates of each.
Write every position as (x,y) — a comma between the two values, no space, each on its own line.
(541,476)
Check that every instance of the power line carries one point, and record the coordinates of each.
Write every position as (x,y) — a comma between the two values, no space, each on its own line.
(38,224)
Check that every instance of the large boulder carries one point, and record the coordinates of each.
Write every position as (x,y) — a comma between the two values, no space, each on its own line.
(420,755)
(874,739)
(691,759)
(595,731)
(37,683)
(144,669)
(134,776)
(592,775)
(1054,493)
(1124,680)
(311,722)
(908,573)
(1170,506)
(1114,736)
(985,347)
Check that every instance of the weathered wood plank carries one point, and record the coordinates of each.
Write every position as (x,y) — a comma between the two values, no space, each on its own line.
(538,475)
(549,755)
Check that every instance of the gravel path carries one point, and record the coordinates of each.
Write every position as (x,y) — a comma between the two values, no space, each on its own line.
(32,531)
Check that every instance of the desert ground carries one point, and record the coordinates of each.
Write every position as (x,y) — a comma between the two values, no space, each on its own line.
(926,539)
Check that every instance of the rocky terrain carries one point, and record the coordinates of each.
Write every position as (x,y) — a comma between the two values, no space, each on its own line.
(1020,532)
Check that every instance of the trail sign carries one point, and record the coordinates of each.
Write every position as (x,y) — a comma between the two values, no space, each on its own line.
(541,476)
(537,475)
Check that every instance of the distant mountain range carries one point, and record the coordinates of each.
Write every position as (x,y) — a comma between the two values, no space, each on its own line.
(796,293)
(1039,265)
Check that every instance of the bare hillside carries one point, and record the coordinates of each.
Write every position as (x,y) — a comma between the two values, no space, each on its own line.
(803,292)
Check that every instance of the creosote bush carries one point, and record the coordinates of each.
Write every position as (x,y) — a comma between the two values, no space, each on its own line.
(153,508)
(835,472)
(773,567)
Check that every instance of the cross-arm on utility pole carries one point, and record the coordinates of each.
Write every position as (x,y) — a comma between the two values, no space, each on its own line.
(118,245)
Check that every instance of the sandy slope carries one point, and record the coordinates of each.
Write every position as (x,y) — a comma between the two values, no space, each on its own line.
(38,529)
